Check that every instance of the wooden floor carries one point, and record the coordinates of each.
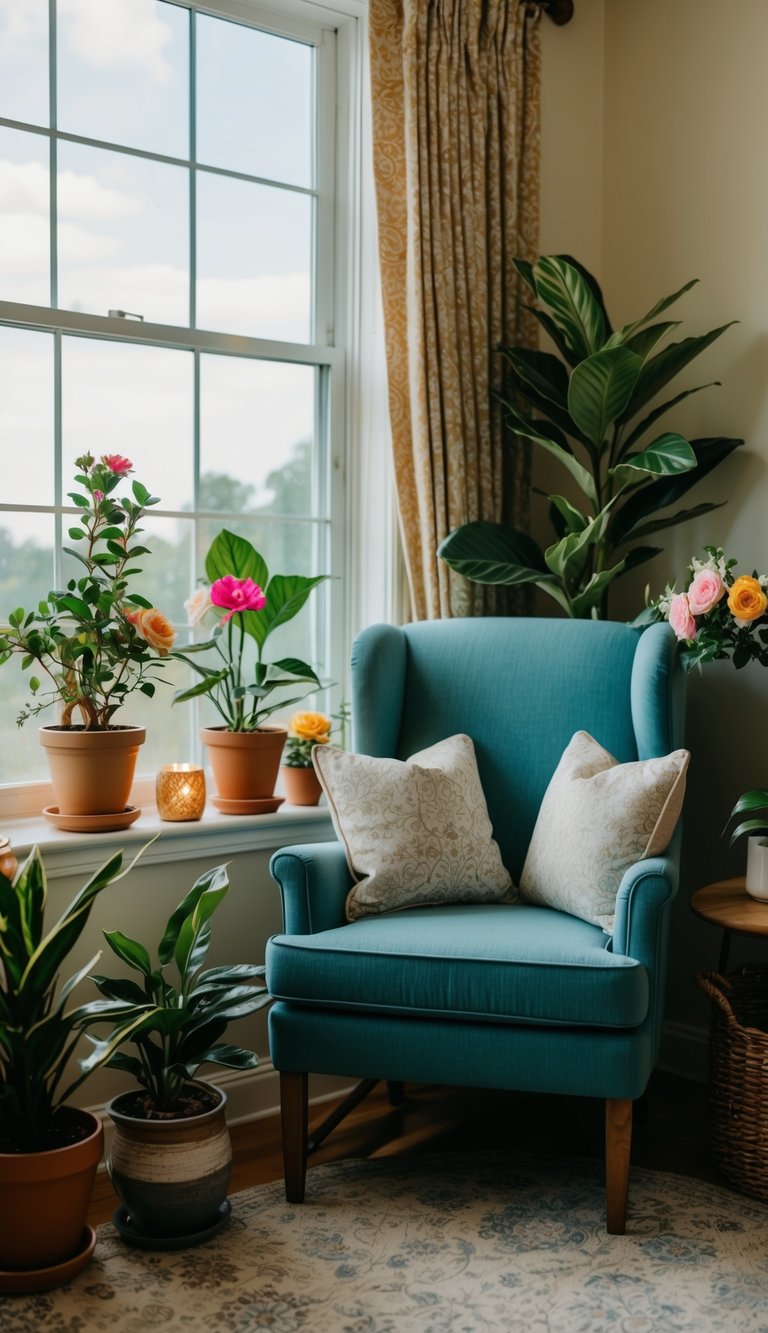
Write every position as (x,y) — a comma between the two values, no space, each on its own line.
(670,1131)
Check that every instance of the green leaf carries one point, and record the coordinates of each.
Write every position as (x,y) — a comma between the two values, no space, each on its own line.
(749,825)
(214,878)
(230,554)
(659,411)
(567,558)
(548,437)
(643,343)
(286,595)
(666,456)
(660,369)
(551,329)
(129,950)
(599,390)
(204,686)
(592,594)
(140,493)
(232,1057)
(671,521)
(294,667)
(623,335)
(77,534)
(542,380)
(563,288)
(657,495)
(493,553)
(526,273)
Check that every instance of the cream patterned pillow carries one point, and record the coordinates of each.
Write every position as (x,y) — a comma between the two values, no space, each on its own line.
(415,833)
(597,818)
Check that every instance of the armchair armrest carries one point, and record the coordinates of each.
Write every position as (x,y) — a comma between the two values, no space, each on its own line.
(314,881)
(644,891)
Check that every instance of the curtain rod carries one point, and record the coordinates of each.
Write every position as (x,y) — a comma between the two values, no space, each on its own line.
(559,11)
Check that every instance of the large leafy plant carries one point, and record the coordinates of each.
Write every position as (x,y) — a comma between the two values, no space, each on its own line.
(593,409)
(175,1014)
(94,641)
(249,606)
(38,1031)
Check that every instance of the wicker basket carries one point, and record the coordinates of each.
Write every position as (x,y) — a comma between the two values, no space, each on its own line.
(738,1057)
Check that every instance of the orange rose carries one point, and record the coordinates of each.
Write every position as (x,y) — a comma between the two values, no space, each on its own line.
(154,628)
(311,727)
(746,599)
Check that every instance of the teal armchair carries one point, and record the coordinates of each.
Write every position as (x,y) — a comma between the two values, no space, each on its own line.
(493,995)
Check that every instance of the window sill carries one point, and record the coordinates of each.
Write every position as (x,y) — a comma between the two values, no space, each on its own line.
(215,835)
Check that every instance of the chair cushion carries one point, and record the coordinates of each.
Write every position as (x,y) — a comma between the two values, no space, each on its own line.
(598,818)
(415,832)
(494,963)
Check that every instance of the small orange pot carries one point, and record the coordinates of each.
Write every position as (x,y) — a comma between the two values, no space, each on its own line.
(92,771)
(302,785)
(44,1198)
(245,763)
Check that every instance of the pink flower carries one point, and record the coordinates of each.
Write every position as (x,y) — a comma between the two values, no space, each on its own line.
(680,617)
(117,464)
(98,496)
(237,595)
(705,592)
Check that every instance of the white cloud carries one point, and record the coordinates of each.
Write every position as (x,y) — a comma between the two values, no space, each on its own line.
(24,189)
(123,32)
(22,18)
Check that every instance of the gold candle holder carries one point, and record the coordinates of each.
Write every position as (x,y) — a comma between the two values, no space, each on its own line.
(180,792)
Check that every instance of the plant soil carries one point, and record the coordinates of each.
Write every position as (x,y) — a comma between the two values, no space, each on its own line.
(193,1101)
(66,1128)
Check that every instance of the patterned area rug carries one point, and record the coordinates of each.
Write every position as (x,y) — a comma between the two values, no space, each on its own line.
(437,1244)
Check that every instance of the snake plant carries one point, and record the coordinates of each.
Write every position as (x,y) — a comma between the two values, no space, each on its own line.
(589,408)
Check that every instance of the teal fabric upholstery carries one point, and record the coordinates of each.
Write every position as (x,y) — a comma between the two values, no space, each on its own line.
(486,995)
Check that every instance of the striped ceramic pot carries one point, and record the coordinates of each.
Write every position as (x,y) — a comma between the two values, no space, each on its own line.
(172,1175)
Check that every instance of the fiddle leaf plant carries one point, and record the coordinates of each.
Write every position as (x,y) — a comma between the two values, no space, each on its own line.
(175,1012)
(588,408)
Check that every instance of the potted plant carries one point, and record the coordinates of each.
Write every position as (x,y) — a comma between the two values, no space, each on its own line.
(589,408)
(93,643)
(300,781)
(49,1150)
(171,1155)
(249,606)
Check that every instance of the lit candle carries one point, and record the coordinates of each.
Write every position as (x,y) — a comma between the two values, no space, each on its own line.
(180,792)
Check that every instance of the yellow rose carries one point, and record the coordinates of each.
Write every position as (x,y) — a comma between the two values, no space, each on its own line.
(746,599)
(311,727)
(155,629)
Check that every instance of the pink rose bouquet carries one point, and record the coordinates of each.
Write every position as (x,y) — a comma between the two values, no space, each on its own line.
(248,605)
(720,615)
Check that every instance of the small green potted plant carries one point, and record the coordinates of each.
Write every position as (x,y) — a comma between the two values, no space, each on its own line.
(249,605)
(49,1150)
(755,803)
(88,646)
(171,1156)
(300,781)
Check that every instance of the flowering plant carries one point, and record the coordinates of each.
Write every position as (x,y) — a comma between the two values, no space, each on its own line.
(253,605)
(95,641)
(720,615)
(304,731)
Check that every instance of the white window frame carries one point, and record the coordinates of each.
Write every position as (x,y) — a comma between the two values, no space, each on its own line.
(349,340)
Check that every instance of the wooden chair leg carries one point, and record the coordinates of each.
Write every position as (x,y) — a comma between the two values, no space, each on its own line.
(618,1141)
(294,1118)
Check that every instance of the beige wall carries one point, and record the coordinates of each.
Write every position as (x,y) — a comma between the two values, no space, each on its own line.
(679,157)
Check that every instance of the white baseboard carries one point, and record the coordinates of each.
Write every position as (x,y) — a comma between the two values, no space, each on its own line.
(685,1051)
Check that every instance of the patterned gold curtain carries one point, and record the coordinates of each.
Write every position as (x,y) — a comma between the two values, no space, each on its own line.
(455,88)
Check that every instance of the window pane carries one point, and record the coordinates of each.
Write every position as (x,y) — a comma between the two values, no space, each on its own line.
(24,60)
(137,401)
(254,247)
(170,729)
(26,417)
(26,560)
(23,758)
(168,578)
(123,73)
(122,235)
(254,102)
(265,412)
(24,214)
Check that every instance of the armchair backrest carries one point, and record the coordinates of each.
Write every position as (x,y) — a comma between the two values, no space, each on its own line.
(520,688)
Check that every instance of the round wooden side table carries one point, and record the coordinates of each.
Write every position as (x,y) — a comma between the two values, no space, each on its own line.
(726,903)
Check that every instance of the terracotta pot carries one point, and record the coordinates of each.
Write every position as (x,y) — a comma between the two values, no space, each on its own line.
(245,763)
(171,1175)
(302,785)
(92,771)
(44,1199)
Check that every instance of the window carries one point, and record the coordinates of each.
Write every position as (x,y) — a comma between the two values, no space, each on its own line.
(176,277)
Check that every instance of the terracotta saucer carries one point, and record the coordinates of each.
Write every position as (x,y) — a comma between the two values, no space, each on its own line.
(42,1279)
(92,823)
(264,806)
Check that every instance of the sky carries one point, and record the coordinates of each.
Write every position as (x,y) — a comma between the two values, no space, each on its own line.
(123,240)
